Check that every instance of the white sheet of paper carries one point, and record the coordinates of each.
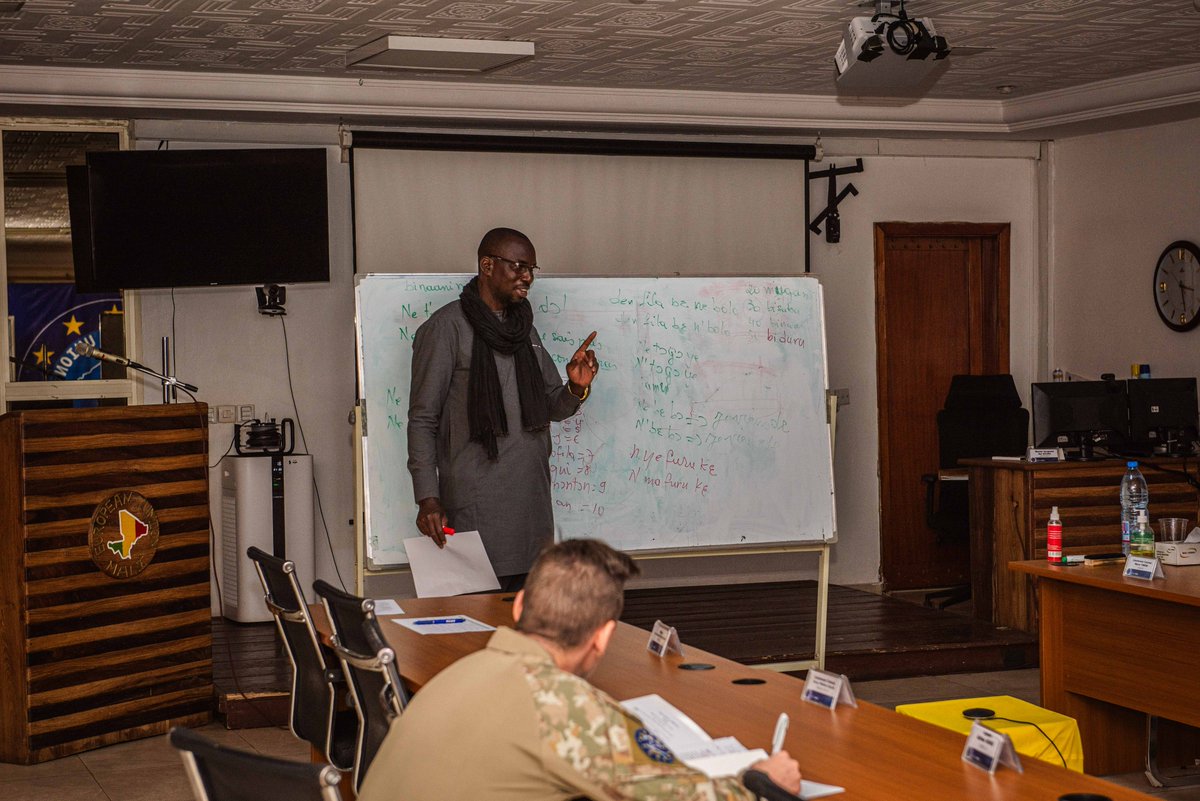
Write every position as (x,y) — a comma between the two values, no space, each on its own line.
(461,567)
(715,766)
(386,606)
(1194,536)
(729,764)
(677,731)
(723,745)
(810,790)
(724,756)
(446,624)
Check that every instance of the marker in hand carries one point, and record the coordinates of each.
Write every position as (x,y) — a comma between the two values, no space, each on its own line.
(448,531)
(781,727)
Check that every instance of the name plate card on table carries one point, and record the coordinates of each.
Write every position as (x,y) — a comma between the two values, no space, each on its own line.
(826,689)
(386,606)
(663,640)
(988,749)
(1044,455)
(1143,567)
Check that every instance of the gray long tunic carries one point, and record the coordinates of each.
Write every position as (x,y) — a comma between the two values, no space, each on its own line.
(507,500)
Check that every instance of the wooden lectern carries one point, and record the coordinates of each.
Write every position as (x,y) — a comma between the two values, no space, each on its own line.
(105,628)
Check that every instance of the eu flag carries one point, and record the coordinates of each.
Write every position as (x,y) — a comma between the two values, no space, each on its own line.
(48,320)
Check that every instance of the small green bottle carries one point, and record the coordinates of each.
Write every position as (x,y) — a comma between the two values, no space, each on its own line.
(1141,539)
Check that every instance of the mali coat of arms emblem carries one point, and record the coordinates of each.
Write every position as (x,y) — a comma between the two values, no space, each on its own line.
(123,536)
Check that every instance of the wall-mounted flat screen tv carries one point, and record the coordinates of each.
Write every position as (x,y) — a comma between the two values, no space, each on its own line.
(175,218)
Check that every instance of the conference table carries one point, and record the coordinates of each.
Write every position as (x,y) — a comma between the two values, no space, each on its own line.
(1114,649)
(876,754)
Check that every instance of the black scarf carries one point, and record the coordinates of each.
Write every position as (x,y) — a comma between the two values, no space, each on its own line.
(511,335)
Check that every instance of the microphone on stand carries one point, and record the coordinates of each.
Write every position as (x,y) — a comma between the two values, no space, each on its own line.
(92,352)
(87,349)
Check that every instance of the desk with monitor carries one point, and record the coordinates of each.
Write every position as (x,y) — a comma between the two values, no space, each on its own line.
(876,754)
(1094,419)
(1010,501)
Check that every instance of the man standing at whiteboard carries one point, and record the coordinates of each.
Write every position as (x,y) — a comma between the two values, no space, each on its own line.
(483,394)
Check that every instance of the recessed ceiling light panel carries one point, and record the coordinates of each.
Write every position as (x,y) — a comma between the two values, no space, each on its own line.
(437,54)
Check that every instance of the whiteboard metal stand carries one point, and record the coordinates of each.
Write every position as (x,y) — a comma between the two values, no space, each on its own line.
(384,352)
(360,511)
(821,549)
(831,412)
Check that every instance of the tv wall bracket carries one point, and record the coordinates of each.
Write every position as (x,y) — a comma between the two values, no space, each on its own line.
(829,215)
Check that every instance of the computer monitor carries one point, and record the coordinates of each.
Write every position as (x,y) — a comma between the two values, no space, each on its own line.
(1163,414)
(1078,415)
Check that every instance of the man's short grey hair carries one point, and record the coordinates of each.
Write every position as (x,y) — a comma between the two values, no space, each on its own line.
(574,588)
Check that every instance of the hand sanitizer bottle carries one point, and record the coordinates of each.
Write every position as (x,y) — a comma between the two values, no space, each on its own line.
(1141,540)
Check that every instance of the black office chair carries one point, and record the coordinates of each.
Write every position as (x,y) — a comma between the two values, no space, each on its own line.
(317,679)
(218,773)
(369,664)
(982,416)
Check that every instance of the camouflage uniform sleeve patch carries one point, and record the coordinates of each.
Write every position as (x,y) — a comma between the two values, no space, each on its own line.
(595,748)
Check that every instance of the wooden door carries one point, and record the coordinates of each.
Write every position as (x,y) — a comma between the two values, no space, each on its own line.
(941,309)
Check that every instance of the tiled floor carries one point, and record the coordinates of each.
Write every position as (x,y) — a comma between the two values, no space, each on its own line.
(143,770)
(150,770)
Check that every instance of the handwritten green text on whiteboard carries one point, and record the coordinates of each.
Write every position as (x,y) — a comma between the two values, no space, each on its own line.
(706,426)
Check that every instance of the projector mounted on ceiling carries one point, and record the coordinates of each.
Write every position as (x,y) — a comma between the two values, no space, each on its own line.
(889,53)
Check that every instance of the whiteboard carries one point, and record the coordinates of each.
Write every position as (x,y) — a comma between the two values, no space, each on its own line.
(706,426)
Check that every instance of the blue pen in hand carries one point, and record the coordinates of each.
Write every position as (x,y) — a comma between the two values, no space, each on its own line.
(439,621)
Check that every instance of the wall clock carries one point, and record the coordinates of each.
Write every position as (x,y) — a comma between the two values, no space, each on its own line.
(1176,295)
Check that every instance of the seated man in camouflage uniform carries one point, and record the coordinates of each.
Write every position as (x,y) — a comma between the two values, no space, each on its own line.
(518,720)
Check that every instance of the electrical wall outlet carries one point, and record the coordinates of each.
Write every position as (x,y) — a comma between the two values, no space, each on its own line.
(226,414)
(212,414)
(245,412)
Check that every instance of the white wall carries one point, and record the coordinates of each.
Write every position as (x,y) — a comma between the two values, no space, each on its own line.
(235,355)
(1117,200)
(908,189)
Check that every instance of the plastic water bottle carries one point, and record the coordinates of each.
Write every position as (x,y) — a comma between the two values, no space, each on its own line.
(1054,538)
(1134,498)
(1141,540)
